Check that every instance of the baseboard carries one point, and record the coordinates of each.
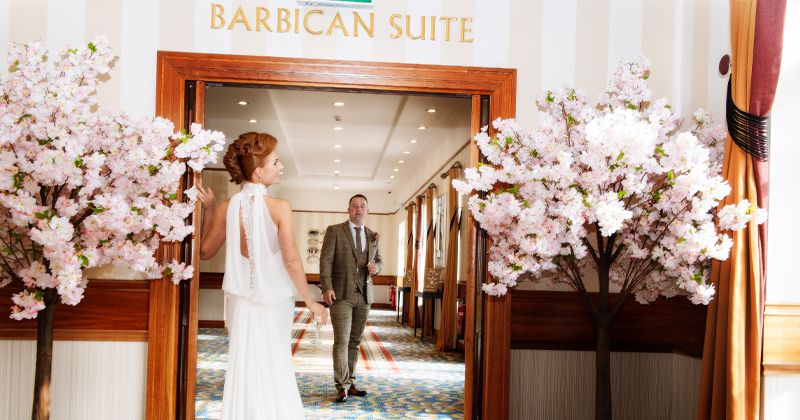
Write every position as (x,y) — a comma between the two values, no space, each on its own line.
(211,324)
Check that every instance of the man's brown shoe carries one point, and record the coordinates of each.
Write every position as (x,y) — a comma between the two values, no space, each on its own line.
(341,396)
(356,392)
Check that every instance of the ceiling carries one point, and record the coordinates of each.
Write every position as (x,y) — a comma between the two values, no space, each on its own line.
(377,132)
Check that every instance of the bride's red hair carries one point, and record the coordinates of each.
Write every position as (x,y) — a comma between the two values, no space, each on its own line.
(247,153)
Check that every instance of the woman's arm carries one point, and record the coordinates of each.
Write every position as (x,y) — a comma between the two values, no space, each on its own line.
(212,234)
(281,212)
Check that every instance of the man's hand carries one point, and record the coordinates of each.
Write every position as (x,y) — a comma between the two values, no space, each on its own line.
(328,297)
(373,268)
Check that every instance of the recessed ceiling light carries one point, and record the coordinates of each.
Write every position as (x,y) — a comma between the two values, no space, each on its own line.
(401,161)
(337,146)
(338,128)
(431,110)
(335,187)
(338,103)
(242,102)
(413,140)
(337,160)
(406,152)
(391,176)
(396,169)
(422,127)
(252,121)
(281,172)
(336,172)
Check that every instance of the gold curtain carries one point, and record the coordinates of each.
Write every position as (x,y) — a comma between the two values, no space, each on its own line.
(447,328)
(730,378)
(409,256)
(412,316)
(430,234)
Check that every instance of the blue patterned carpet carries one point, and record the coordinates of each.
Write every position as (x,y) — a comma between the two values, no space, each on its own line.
(406,378)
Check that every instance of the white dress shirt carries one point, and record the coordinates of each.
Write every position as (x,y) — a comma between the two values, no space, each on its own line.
(363,235)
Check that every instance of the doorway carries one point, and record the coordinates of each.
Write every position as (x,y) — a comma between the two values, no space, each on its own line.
(333,144)
(181,81)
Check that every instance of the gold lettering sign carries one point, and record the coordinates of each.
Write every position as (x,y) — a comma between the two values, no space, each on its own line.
(317,22)
(432,278)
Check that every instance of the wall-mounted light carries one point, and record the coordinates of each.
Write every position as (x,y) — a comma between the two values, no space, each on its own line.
(243,103)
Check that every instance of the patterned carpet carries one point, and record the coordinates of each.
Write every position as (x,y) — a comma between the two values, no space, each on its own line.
(406,378)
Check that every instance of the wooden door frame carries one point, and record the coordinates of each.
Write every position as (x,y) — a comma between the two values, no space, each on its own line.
(175,69)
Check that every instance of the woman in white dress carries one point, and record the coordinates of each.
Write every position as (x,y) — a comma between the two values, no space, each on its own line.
(263,271)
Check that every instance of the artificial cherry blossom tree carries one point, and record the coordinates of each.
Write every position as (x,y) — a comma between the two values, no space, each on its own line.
(81,188)
(609,187)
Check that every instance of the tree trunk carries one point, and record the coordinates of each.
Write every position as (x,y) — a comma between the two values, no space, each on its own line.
(602,398)
(44,356)
(602,320)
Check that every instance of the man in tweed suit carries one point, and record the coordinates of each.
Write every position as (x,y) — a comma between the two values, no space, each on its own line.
(348,260)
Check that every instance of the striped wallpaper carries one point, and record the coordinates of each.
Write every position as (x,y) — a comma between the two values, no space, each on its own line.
(550,42)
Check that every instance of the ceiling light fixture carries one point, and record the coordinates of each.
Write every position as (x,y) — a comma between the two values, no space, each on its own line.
(396,169)
(406,152)
(337,146)
(431,110)
(338,128)
(391,176)
(401,161)
(338,103)
(422,127)
(337,160)
(253,121)
(413,141)
(242,103)
(336,172)
(335,187)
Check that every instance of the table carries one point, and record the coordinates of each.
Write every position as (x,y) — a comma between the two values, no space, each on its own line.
(426,296)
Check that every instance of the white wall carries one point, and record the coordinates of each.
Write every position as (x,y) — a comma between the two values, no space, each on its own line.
(782,397)
(92,380)
(782,392)
(560,385)
(784,149)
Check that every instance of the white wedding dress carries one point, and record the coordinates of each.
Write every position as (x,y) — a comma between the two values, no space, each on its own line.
(260,381)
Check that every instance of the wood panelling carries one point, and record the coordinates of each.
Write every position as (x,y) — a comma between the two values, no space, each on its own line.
(781,339)
(204,323)
(559,321)
(211,280)
(111,310)
(214,280)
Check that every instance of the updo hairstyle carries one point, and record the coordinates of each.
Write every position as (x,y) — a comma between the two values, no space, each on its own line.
(247,153)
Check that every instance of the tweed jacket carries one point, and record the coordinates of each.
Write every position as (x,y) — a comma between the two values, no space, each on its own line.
(337,262)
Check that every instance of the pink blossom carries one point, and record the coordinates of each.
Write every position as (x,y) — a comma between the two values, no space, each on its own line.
(617,166)
(81,187)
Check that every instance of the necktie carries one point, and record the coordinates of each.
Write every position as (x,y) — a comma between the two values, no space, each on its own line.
(358,239)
